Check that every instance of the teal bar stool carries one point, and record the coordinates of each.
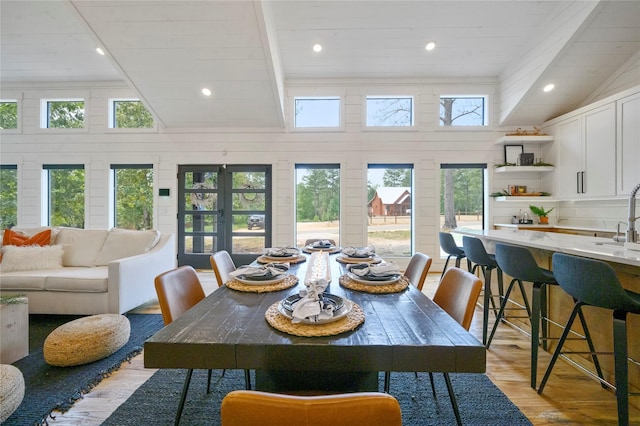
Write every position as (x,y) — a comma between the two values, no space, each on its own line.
(519,263)
(594,283)
(449,246)
(477,254)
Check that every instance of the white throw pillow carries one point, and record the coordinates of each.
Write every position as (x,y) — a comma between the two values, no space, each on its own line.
(122,243)
(81,246)
(31,258)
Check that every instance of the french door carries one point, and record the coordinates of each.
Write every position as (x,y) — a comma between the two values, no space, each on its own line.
(223,207)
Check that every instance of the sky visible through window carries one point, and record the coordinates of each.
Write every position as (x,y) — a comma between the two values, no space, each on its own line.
(317,112)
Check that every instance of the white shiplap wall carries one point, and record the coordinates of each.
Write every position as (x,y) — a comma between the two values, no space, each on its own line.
(426,146)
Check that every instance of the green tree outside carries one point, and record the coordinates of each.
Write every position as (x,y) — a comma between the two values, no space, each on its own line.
(66,114)
(8,198)
(134,198)
(318,196)
(8,115)
(131,115)
(66,197)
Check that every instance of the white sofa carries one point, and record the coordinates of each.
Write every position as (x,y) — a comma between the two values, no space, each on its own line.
(86,272)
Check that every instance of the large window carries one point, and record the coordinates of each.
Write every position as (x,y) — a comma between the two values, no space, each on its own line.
(389,111)
(62,114)
(129,114)
(317,202)
(132,195)
(389,195)
(463,111)
(9,114)
(8,195)
(64,185)
(317,112)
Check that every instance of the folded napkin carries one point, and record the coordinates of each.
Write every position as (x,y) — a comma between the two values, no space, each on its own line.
(383,269)
(321,244)
(310,307)
(363,252)
(272,269)
(281,251)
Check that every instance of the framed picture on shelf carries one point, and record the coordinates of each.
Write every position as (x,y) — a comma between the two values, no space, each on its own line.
(512,153)
(526,159)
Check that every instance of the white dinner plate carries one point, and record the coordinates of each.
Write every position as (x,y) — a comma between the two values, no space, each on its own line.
(346,308)
(261,281)
(362,280)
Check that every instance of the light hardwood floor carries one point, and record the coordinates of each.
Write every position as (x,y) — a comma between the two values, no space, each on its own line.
(570,397)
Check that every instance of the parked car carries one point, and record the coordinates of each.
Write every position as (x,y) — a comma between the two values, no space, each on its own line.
(255,221)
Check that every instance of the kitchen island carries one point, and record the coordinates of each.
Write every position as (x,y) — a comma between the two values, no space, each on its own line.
(626,264)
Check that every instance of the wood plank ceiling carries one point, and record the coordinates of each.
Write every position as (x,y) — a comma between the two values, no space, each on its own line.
(248,51)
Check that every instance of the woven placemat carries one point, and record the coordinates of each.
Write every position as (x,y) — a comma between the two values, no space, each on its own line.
(266,259)
(351,321)
(395,287)
(314,250)
(288,282)
(346,260)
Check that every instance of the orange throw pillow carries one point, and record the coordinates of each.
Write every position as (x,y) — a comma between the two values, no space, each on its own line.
(12,238)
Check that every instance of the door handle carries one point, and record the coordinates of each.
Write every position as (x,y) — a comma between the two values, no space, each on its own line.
(582,182)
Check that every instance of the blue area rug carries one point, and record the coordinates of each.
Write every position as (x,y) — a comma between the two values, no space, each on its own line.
(480,401)
(49,388)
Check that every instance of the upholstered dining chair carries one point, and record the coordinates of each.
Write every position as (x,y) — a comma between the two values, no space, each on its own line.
(417,269)
(448,245)
(179,290)
(240,408)
(222,264)
(457,294)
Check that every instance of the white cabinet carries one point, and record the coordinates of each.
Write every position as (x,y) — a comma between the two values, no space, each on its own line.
(628,143)
(585,154)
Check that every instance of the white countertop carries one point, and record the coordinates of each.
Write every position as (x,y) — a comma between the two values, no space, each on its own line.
(592,247)
(537,225)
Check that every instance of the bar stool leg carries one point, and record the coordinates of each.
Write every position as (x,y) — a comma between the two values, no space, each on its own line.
(620,345)
(592,348)
(535,330)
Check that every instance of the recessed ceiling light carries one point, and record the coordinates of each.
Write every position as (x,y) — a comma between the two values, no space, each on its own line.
(430,46)
(317,48)
(206,92)
(100,51)
(549,87)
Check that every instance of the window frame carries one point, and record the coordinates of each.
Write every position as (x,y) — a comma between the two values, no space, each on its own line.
(318,166)
(412,236)
(341,113)
(486,111)
(113,188)
(365,110)
(46,190)
(111,116)
(44,115)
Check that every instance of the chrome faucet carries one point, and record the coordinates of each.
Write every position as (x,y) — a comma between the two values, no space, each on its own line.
(632,235)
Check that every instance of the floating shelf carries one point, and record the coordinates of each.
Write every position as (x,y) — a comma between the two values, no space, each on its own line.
(523,139)
(524,169)
(521,199)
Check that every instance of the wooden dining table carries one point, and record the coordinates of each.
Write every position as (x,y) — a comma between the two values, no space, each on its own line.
(402,331)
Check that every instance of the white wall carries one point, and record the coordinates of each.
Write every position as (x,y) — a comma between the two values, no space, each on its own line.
(96,146)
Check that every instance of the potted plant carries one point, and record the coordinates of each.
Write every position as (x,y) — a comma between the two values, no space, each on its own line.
(541,213)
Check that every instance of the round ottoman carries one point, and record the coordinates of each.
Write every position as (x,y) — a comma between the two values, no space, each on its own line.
(11,390)
(86,339)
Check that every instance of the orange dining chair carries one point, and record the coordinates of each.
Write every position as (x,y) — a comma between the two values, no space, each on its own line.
(179,290)
(416,272)
(457,294)
(240,408)
(222,264)
(417,269)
